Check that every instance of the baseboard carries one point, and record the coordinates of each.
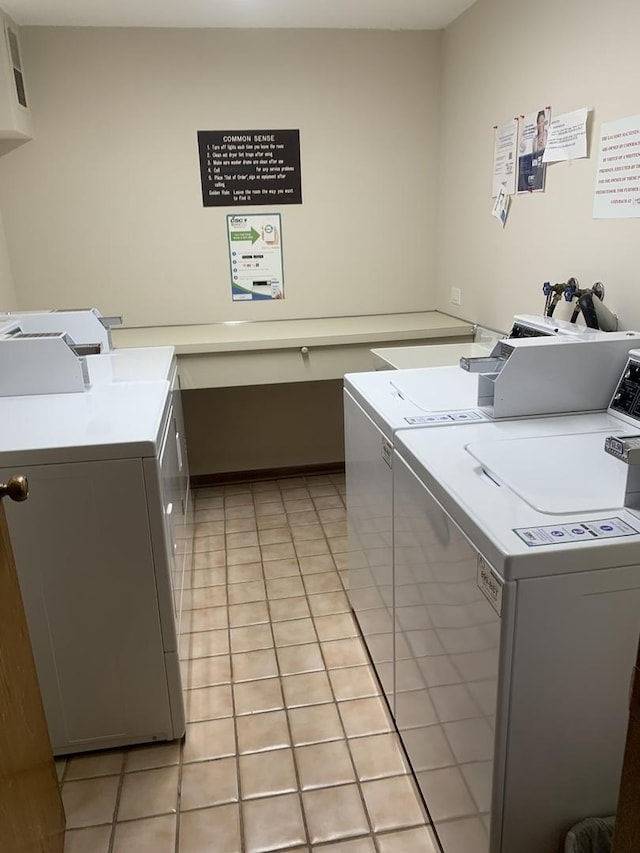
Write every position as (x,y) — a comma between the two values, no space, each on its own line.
(200,481)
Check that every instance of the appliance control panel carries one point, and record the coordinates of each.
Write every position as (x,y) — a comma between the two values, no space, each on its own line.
(626,398)
(519,330)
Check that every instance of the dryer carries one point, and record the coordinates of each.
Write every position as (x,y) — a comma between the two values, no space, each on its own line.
(518,572)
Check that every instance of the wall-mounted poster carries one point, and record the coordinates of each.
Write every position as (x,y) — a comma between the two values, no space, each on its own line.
(617,193)
(533,140)
(242,167)
(255,257)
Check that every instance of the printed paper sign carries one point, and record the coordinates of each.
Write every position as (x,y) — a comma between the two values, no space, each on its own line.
(567,138)
(580,531)
(617,193)
(255,257)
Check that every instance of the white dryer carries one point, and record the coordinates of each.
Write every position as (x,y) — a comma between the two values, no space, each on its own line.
(518,597)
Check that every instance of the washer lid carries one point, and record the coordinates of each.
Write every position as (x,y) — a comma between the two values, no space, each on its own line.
(438,390)
(557,474)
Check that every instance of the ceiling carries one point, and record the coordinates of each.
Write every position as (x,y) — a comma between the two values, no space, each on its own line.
(332,14)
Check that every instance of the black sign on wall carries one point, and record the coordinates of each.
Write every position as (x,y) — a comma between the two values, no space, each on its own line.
(241,167)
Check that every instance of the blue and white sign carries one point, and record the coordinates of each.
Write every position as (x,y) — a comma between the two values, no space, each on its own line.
(558,534)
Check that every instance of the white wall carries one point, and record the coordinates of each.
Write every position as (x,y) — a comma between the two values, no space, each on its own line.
(104,206)
(503,58)
(8,300)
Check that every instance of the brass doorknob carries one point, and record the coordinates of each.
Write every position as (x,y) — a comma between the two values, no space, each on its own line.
(17,488)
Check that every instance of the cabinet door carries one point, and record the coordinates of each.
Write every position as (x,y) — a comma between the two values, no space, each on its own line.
(31,814)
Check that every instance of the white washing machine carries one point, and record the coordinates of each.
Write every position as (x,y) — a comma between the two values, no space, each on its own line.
(379,403)
(102,547)
(517,568)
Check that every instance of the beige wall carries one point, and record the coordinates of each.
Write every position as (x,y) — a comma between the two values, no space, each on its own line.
(7,290)
(104,206)
(504,58)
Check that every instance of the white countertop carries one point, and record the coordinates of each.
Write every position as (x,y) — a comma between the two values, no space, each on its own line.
(243,336)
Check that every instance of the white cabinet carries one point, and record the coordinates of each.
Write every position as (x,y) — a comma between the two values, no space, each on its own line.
(15,117)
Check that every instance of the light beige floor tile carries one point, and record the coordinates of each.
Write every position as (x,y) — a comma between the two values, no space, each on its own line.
(260,732)
(209,514)
(321,765)
(208,543)
(294,505)
(266,494)
(94,764)
(335,528)
(245,511)
(297,659)
(307,531)
(250,638)
(320,563)
(277,551)
(272,823)
(282,609)
(331,515)
(198,828)
(274,536)
(151,756)
(269,508)
(311,548)
(94,839)
(205,644)
(253,697)
(209,703)
(215,576)
(328,603)
(209,740)
(248,666)
(377,756)
(315,723)
(309,688)
(244,498)
(364,717)
(207,619)
(338,544)
(318,489)
(287,587)
(205,596)
(243,593)
(417,840)
(149,793)
(244,573)
(270,522)
(240,525)
(265,774)
(336,627)
(208,528)
(243,539)
(205,672)
(334,813)
(328,501)
(281,568)
(90,802)
(301,519)
(208,783)
(207,560)
(295,493)
(241,556)
(294,632)
(355,845)
(347,652)
(327,581)
(248,614)
(392,803)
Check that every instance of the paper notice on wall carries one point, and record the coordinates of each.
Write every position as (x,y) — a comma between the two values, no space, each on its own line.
(533,140)
(501,206)
(567,139)
(255,256)
(617,194)
(504,158)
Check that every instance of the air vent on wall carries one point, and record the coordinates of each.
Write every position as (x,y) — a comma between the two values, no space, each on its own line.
(14,54)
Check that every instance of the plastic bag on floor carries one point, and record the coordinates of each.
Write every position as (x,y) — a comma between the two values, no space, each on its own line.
(593,835)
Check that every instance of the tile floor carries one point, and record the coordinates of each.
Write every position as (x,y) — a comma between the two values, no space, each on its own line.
(289,745)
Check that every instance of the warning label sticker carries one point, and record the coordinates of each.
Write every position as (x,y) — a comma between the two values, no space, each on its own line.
(559,534)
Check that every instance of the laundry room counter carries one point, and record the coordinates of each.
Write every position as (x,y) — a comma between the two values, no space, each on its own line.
(232,354)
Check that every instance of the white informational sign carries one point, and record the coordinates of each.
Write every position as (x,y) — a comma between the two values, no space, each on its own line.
(501,206)
(533,141)
(567,138)
(617,194)
(562,534)
(504,158)
(255,256)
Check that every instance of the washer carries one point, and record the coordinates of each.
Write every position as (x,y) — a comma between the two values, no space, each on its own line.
(378,403)
(517,613)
